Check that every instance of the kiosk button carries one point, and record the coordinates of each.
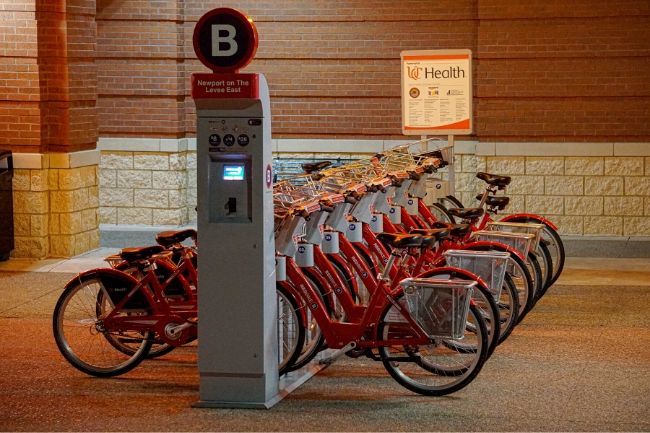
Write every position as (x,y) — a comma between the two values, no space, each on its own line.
(228,139)
(243,140)
(214,139)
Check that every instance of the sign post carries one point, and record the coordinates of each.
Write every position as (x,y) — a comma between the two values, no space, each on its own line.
(437,95)
(238,350)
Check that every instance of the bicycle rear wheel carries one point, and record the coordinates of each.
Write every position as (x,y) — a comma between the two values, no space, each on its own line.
(435,369)
(82,339)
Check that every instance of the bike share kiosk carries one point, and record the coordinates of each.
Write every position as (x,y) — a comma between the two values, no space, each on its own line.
(238,359)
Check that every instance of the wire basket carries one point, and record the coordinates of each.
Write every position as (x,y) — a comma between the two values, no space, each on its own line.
(440,307)
(532,228)
(521,242)
(489,265)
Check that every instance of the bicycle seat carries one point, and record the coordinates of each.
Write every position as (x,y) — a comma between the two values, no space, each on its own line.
(500,201)
(436,234)
(413,175)
(454,229)
(140,253)
(310,167)
(494,179)
(400,240)
(172,237)
(465,212)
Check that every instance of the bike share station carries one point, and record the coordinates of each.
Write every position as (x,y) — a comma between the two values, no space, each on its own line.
(238,353)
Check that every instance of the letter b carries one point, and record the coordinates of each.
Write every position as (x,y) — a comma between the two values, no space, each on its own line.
(229,39)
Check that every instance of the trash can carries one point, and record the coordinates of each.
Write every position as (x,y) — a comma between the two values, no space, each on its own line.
(6,205)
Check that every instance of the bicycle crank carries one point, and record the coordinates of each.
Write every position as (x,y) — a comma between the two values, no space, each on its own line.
(174,330)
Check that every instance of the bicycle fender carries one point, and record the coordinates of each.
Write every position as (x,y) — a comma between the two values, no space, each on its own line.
(450,269)
(524,217)
(109,273)
(290,288)
(492,245)
(117,283)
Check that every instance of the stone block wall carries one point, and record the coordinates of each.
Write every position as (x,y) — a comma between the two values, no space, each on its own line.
(592,189)
(56,204)
(148,185)
(601,195)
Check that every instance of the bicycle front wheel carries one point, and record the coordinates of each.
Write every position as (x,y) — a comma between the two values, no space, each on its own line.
(438,368)
(82,338)
(291,329)
(441,213)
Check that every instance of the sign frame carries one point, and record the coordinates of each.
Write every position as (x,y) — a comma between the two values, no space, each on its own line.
(251,33)
(440,58)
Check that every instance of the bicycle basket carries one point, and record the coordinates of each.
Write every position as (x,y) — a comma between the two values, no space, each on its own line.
(489,265)
(519,241)
(532,228)
(440,307)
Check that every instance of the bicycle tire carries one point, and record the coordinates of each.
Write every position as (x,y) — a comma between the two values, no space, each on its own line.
(536,273)
(451,201)
(411,373)
(546,263)
(441,213)
(555,246)
(508,307)
(90,327)
(291,329)
(314,340)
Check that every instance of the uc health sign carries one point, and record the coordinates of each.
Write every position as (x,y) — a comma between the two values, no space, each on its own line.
(436,92)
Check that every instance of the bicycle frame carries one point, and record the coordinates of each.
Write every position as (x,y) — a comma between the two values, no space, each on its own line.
(161,313)
(363,332)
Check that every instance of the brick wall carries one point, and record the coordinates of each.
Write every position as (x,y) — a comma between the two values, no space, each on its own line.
(338,62)
(48,119)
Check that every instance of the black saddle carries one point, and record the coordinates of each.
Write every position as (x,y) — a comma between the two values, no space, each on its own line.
(414,175)
(172,237)
(436,234)
(466,212)
(499,201)
(494,179)
(459,230)
(140,253)
(310,167)
(400,240)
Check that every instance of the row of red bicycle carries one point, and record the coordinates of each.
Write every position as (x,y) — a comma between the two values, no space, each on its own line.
(364,267)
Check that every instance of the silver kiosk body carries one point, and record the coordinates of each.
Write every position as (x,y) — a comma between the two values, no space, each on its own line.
(238,352)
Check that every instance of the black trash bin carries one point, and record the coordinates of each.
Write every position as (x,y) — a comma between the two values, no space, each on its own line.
(6,205)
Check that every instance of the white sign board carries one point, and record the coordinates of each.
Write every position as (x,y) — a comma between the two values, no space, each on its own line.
(436,92)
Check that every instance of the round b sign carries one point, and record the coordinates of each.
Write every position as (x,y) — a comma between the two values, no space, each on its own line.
(225,40)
